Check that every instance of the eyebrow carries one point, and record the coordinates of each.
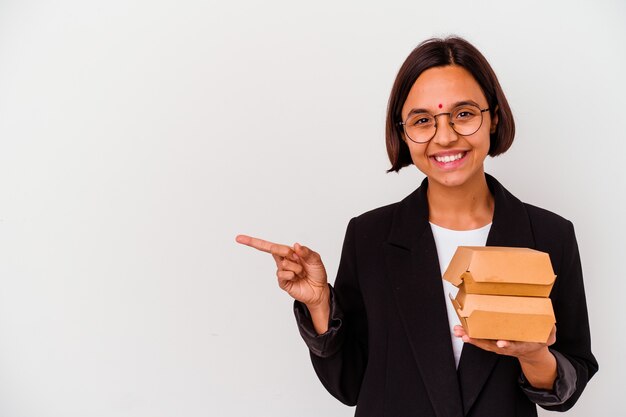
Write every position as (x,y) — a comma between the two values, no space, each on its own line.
(457,104)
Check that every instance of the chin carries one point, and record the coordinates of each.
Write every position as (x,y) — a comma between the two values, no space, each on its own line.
(454,179)
(448,182)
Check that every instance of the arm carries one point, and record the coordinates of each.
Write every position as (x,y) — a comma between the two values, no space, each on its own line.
(539,368)
(573,342)
(339,355)
(555,373)
(332,322)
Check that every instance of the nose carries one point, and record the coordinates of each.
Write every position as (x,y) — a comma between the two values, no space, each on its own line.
(445,134)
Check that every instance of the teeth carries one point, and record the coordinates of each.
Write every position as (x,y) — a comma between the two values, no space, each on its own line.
(449,158)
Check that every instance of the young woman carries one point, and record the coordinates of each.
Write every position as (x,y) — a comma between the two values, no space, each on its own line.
(385,337)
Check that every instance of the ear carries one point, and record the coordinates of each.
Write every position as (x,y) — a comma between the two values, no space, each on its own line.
(494,120)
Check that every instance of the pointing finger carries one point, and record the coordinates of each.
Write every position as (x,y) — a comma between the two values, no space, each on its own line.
(281,250)
(265,246)
(253,242)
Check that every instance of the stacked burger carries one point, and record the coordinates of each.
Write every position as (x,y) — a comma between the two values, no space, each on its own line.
(503,292)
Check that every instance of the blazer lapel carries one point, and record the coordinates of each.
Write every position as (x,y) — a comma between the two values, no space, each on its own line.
(510,227)
(413,270)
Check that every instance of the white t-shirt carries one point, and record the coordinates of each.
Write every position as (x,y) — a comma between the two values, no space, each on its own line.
(447,241)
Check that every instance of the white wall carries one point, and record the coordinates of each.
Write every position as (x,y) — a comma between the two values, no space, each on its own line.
(137,138)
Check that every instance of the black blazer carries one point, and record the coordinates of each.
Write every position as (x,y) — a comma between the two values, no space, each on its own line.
(388,347)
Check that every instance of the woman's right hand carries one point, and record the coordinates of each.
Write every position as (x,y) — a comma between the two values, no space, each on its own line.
(300,271)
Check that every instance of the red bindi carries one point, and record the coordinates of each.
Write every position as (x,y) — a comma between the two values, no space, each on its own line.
(440,105)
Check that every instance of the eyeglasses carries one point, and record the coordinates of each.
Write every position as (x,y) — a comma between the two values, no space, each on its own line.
(465,120)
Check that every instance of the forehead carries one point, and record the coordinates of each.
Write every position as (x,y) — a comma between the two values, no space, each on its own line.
(443,85)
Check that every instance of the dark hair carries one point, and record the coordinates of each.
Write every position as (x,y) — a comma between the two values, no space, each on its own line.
(439,52)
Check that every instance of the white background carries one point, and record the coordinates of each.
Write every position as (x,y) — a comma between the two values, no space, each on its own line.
(137,138)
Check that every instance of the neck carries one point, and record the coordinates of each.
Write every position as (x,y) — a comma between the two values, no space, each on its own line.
(465,207)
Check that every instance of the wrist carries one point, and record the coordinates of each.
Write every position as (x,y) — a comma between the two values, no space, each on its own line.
(540,369)
(320,313)
(536,357)
(322,304)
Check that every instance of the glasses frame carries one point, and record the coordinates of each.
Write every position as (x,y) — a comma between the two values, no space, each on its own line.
(451,123)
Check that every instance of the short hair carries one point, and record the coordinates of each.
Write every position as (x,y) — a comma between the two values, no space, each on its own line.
(441,52)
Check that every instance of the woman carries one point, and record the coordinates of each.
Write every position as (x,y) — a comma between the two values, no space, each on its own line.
(385,337)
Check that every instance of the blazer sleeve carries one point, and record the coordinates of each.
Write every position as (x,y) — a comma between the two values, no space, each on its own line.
(339,356)
(564,385)
(573,339)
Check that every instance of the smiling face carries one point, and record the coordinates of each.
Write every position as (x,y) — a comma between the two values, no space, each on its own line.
(449,159)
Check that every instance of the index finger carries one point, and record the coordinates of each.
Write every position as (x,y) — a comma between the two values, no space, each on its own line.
(264,245)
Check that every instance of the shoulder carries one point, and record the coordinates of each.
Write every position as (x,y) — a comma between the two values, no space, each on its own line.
(374,223)
(377,215)
(383,216)
(547,224)
(554,235)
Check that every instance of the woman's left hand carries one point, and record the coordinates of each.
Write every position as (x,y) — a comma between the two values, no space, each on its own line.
(521,350)
(537,362)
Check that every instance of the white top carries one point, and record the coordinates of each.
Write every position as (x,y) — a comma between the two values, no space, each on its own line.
(447,241)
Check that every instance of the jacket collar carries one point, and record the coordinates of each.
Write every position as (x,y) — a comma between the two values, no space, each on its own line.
(510,227)
(414,273)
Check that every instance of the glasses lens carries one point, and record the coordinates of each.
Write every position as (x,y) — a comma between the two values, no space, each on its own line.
(420,127)
(467,119)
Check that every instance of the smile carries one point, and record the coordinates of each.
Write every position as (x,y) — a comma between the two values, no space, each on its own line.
(449,158)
